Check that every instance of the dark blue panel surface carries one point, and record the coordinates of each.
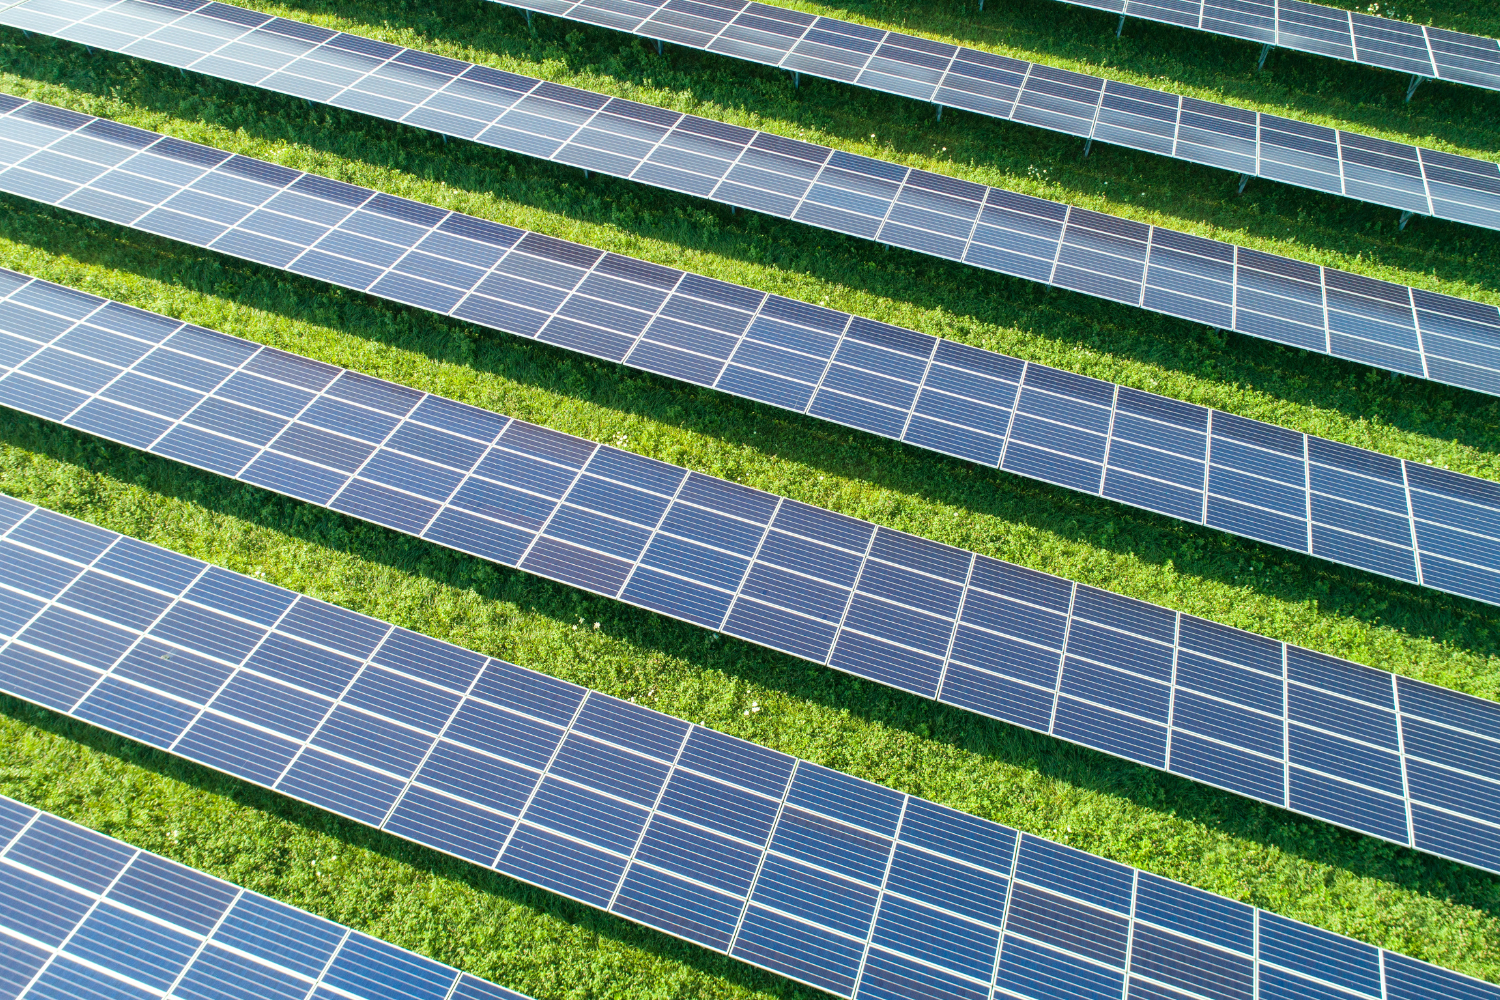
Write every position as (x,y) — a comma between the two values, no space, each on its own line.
(827,878)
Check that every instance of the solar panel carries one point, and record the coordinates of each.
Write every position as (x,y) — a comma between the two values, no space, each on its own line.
(1326,31)
(1350,506)
(291,57)
(1174,692)
(1206,281)
(85,915)
(787,865)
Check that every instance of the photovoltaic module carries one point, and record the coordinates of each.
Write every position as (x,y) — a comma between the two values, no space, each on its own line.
(1401,519)
(1354,36)
(1314,308)
(827,879)
(1388,756)
(83,915)
(294,57)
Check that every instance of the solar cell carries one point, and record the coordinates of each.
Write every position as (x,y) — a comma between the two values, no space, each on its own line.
(1308,27)
(816,875)
(575,127)
(1170,691)
(1025,418)
(85,915)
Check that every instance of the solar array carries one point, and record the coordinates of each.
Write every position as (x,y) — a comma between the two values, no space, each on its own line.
(1253,479)
(405,85)
(819,876)
(832,881)
(1280,724)
(1328,31)
(1450,340)
(85,915)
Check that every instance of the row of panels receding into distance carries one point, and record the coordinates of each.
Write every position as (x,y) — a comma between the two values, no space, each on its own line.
(1399,519)
(1401,760)
(315,63)
(1353,36)
(811,873)
(85,915)
(1414,332)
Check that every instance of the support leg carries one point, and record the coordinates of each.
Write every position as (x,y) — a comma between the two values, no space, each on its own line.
(585,175)
(940,112)
(796,80)
(1405,218)
(981,6)
(1121,26)
(658,46)
(1244,179)
(528,23)
(1411,88)
(1265,50)
(1088,144)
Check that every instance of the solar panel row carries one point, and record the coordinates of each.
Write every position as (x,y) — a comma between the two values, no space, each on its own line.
(1329,31)
(1351,506)
(292,57)
(1397,759)
(805,871)
(83,915)
(1450,340)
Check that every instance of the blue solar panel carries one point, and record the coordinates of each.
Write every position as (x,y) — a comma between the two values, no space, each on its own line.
(1354,507)
(1353,36)
(84,915)
(1286,301)
(1171,691)
(296,58)
(827,879)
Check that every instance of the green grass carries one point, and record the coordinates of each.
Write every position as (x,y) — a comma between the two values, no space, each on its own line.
(531,940)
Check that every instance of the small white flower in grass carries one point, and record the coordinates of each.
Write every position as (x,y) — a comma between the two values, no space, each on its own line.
(596,626)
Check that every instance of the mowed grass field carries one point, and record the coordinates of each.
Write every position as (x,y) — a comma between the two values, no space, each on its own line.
(538,943)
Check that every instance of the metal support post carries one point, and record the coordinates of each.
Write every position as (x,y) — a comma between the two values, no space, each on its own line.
(1405,218)
(981,6)
(658,46)
(1265,50)
(940,112)
(1244,179)
(1121,27)
(1411,88)
(1088,144)
(528,23)
(796,80)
